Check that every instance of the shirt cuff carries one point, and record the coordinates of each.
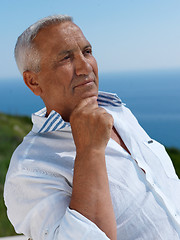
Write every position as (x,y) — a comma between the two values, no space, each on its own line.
(75,226)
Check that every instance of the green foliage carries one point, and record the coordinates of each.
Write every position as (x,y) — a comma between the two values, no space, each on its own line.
(175,156)
(12,131)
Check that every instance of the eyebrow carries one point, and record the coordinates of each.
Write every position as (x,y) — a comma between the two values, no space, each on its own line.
(64,52)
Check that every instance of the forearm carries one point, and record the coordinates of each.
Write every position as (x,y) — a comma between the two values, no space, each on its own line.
(91,195)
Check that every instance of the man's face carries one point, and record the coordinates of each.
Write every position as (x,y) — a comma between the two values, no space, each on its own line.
(68,71)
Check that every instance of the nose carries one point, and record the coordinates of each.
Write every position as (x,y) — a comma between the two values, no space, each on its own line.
(82,65)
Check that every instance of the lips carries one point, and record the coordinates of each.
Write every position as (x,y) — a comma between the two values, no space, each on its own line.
(84,83)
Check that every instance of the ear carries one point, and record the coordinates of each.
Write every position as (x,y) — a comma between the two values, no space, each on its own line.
(31,80)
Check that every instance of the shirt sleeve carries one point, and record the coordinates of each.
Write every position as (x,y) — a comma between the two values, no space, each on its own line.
(38,207)
(75,226)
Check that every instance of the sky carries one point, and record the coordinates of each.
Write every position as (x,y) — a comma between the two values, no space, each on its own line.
(126,35)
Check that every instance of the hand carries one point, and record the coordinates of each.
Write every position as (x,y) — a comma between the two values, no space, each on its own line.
(91,125)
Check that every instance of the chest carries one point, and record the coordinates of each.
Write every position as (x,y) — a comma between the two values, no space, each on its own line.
(117,138)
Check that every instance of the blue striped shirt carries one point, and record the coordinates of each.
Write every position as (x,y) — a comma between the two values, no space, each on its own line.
(55,122)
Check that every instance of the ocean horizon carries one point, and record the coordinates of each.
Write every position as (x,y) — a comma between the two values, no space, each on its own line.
(152,96)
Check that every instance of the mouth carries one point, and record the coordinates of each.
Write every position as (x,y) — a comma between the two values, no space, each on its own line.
(85,83)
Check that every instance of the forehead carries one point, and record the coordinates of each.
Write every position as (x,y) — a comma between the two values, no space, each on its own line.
(60,36)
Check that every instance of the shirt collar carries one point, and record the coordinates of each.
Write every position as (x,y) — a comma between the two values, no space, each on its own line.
(54,121)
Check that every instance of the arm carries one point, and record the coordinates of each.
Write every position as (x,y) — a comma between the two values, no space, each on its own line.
(91,129)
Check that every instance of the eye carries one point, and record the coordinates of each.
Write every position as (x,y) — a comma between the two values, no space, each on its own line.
(65,57)
(88,51)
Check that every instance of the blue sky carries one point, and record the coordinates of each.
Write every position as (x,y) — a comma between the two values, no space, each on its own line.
(126,34)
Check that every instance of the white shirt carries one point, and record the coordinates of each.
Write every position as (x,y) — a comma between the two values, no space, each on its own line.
(144,187)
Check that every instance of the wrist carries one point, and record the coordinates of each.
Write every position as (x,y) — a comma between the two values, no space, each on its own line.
(90,152)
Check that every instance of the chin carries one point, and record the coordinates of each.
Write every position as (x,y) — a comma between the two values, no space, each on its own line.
(89,94)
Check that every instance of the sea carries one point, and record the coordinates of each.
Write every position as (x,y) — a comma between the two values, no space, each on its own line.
(152,96)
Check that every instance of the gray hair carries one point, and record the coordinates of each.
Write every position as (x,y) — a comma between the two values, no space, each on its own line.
(26,54)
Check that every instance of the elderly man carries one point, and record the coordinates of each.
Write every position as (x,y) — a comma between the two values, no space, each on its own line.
(87,170)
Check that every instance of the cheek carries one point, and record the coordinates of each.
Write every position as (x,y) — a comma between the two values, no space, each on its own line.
(94,66)
(64,74)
